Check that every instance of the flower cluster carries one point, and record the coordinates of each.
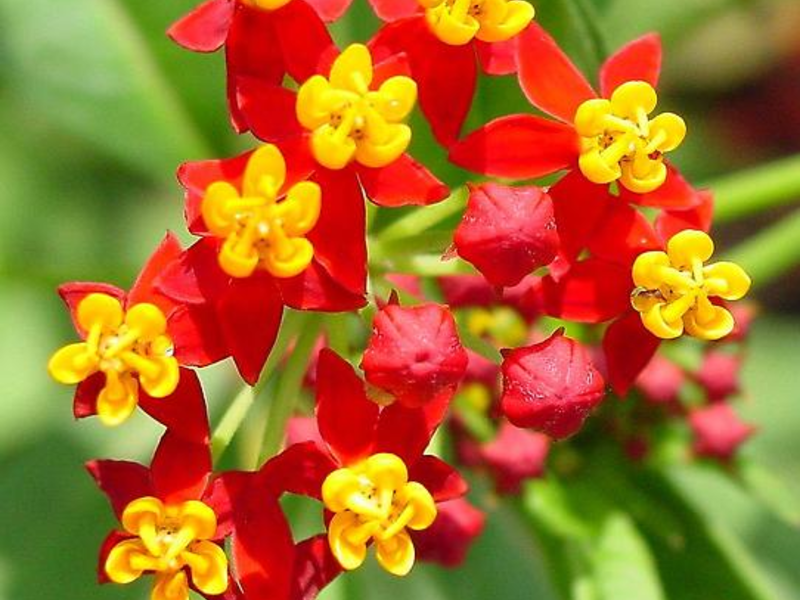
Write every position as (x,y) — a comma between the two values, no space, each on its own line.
(618,244)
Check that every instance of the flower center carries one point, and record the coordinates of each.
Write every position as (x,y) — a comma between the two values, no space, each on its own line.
(121,345)
(619,141)
(457,22)
(169,540)
(261,229)
(374,501)
(348,120)
(674,287)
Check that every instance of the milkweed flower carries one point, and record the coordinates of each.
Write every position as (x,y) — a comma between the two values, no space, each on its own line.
(610,138)
(369,470)
(263,40)
(272,235)
(445,42)
(133,344)
(350,115)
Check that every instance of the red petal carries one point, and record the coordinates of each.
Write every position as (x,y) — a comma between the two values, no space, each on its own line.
(72,293)
(300,469)
(392,10)
(639,60)
(219,495)
(143,289)
(112,539)
(439,478)
(401,183)
(314,568)
(314,289)
(668,223)
(250,312)
(339,235)
(183,412)
(346,417)
(551,386)
(251,52)
(507,232)
(84,403)
(675,194)
(304,39)
(517,147)
(446,85)
(622,234)
(122,481)
(592,291)
(205,28)
(330,10)
(548,77)
(262,546)
(195,277)
(180,468)
(269,110)
(579,206)
(498,58)
(196,334)
(406,432)
(628,347)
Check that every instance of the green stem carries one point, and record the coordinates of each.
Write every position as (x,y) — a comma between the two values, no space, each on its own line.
(240,406)
(590,23)
(756,190)
(423,219)
(771,252)
(336,333)
(289,386)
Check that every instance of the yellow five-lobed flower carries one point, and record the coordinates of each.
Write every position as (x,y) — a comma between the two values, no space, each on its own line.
(349,121)
(620,142)
(172,542)
(457,22)
(674,287)
(121,345)
(262,229)
(374,500)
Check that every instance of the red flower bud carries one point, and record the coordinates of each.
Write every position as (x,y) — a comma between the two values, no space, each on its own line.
(507,232)
(447,541)
(414,353)
(661,381)
(550,386)
(514,456)
(719,374)
(718,431)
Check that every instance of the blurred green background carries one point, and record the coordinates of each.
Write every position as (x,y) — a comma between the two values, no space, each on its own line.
(97,108)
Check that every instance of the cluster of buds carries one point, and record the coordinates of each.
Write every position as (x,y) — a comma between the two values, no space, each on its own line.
(285,226)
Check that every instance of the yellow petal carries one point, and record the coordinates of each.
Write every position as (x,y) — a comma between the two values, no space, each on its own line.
(689,245)
(199,517)
(518,15)
(72,363)
(330,150)
(208,566)
(143,515)
(214,207)
(589,118)
(650,180)
(147,319)
(350,554)
(172,585)
(118,399)
(655,323)
(451,31)
(352,70)
(293,257)
(311,108)
(596,169)
(673,128)
(234,263)
(727,280)
(418,497)
(265,172)
(631,96)
(380,155)
(386,471)
(165,382)
(300,209)
(100,309)
(647,269)
(337,487)
(396,555)
(717,327)
(118,565)
(396,98)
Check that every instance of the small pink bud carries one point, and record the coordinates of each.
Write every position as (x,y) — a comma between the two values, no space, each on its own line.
(661,381)
(719,374)
(514,456)
(718,431)
(447,541)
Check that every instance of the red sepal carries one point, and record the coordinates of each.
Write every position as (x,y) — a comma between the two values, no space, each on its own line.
(121,481)
(143,289)
(674,194)
(196,335)
(300,469)
(579,205)
(183,412)
(250,312)
(205,28)
(507,232)
(592,291)
(548,77)
(195,277)
(402,183)
(517,147)
(551,386)
(406,432)
(180,468)
(84,403)
(628,347)
(347,418)
(314,568)
(440,479)
(269,109)
(498,58)
(72,293)
(639,60)
(446,85)
(304,39)
(112,539)
(670,222)
(622,234)
(315,289)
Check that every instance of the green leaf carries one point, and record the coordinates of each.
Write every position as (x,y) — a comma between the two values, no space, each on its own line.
(767,487)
